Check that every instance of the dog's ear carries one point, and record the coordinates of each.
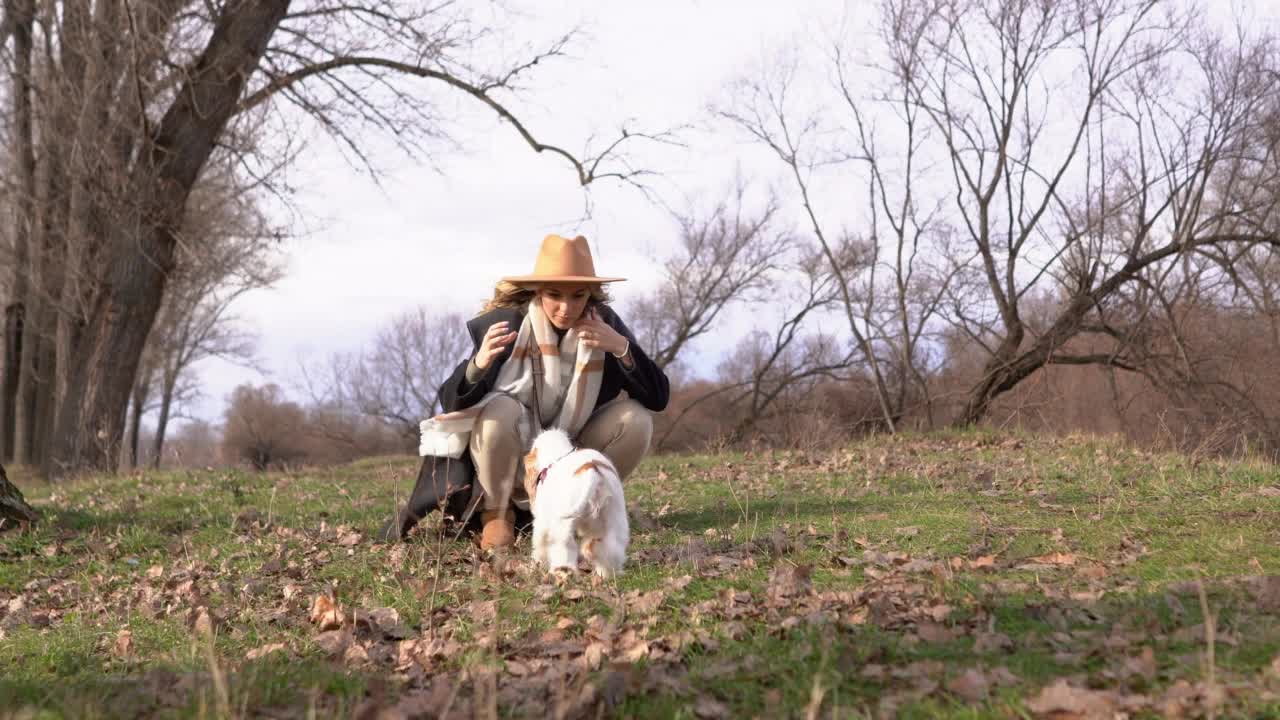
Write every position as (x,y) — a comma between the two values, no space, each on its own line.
(531,473)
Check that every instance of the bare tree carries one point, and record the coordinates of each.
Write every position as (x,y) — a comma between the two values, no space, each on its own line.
(397,379)
(725,256)
(118,108)
(262,427)
(21,342)
(772,362)
(1109,184)
(196,444)
(767,366)
(235,255)
(1080,148)
(887,288)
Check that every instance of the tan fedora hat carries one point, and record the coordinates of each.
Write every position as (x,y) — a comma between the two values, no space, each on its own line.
(563,260)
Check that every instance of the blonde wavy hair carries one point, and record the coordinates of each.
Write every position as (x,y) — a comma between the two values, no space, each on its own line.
(510,295)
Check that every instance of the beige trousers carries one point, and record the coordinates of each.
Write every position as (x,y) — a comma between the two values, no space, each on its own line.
(621,430)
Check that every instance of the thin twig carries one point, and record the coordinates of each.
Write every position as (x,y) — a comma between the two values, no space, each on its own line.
(1210,640)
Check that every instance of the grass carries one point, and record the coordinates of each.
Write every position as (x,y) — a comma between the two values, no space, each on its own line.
(952,575)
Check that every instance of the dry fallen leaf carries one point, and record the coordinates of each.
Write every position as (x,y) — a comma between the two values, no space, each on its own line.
(334,642)
(1055,558)
(263,651)
(517,668)
(642,521)
(679,583)
(985,561)
(123,646)
(1266,592)
(636,652)
(709,708)
(290,591)
(992,642)
(593,655)
(355,654)
(326,613)
(971,685)
(1092,571)
(1002,676)
(383,622)
(787,580)
(1062,701)
(201,622)
(246,519)
(920,565)
(645,603)
(187,591)
(1144,665)
(932,632)
(348,537)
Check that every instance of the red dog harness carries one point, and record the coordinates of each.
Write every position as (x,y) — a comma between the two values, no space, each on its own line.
(542,474)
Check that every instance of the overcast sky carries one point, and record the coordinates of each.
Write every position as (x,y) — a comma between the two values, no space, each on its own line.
(441,232)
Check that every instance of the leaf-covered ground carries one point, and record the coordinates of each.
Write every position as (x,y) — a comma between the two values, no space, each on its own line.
(965,576)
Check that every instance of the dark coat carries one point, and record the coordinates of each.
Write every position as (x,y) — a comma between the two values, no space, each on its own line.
(448,484)
(644,382)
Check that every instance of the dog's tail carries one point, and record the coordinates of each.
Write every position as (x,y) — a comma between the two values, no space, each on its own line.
(590,491)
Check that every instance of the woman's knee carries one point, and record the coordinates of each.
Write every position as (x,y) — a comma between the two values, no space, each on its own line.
(497,424)
(636,423)
(623,433)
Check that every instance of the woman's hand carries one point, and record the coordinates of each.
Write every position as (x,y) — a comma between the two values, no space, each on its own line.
(596,333)
(495,339)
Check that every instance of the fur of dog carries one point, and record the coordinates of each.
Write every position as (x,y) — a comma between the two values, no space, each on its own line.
(578,506)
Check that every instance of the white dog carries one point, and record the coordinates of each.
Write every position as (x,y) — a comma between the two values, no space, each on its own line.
(575,493)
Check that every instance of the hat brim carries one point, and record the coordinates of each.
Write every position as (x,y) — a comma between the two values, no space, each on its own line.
(527,279)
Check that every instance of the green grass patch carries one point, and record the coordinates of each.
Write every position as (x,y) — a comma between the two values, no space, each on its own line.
(954,575)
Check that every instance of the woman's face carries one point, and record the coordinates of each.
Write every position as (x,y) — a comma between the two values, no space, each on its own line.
(564,303)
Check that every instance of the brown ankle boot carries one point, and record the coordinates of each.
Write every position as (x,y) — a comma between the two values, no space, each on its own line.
(498,529)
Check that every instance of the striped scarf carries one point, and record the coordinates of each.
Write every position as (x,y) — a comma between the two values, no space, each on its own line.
(566,399)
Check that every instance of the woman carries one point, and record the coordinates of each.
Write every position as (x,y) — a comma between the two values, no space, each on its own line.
(549,351)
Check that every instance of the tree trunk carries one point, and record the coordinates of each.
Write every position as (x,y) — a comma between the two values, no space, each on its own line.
(24,417)
(137,407)
(162,422)
(1008,368)
(17,380)
(86,57)
(91,420)
(12,359)
(46,399)
(14,510)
